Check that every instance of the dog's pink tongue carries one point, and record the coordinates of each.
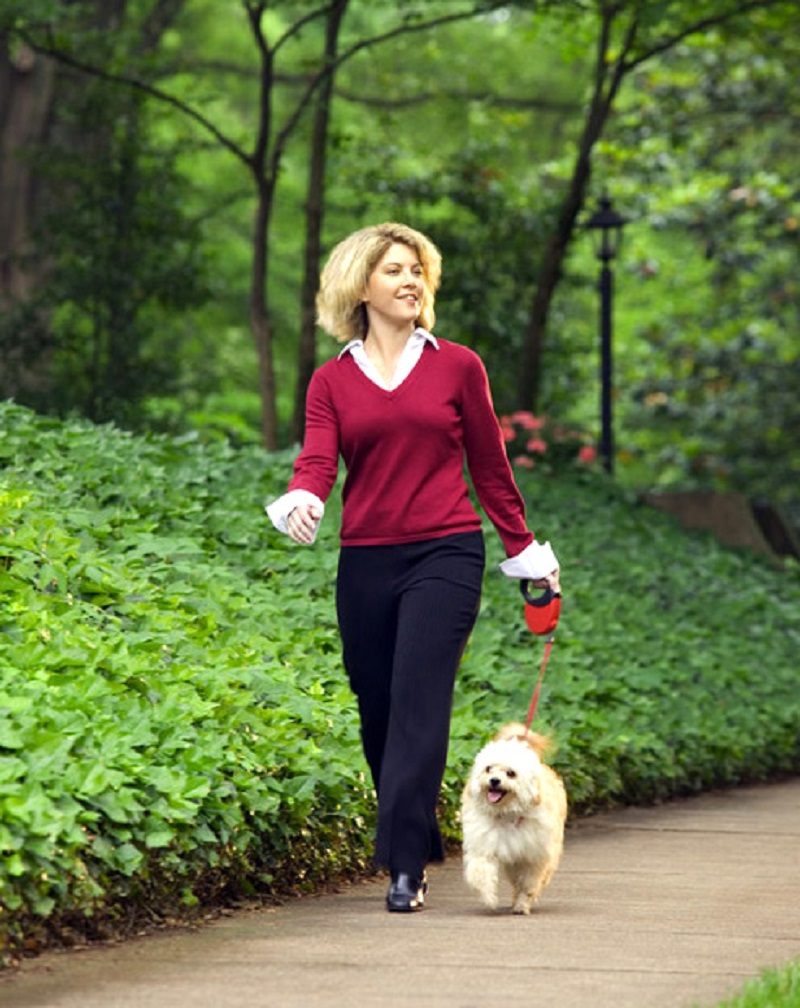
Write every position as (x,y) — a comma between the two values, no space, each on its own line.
(494,796)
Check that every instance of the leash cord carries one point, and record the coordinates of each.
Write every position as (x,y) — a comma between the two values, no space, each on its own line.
(537,688)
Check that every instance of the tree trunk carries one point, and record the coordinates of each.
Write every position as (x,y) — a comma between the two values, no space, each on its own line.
(26,98)
(555,254)
(26,95)
(306,356)
(608,76)
(260,321)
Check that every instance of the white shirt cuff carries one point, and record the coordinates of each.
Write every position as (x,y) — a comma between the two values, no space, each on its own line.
(534,562)
(280,509)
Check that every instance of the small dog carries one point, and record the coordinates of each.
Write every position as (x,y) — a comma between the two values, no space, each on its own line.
(513,811)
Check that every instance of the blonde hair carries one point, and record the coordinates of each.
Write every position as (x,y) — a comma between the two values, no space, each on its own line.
(340,300)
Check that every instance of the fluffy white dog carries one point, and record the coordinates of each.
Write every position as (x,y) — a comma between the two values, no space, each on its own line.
(513,810)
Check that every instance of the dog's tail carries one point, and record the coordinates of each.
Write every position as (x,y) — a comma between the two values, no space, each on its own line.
(541,744)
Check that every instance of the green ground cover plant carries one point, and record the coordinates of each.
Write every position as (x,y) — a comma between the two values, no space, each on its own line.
(774,988)
(175,726)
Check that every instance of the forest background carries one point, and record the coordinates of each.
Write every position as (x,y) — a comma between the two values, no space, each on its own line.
(173,172)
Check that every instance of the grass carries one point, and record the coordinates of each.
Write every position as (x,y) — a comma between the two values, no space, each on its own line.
(775,988)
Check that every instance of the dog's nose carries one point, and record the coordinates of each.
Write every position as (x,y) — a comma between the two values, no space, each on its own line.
(495,783)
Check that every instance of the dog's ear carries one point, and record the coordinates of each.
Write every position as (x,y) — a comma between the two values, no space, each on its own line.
(529,790)
(542,744)
(474,778)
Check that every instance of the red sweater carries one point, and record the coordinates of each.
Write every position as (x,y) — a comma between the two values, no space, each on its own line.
(404,451)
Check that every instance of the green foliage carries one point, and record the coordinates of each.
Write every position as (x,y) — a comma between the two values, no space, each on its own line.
(163,716)
(708,351)
(103,330)
(18,14)
(469,131)
(175,725)
(775,988)
(128,262)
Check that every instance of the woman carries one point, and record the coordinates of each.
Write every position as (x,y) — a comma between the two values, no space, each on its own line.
(404,409)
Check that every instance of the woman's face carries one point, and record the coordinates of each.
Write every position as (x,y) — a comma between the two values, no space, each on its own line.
(396,286)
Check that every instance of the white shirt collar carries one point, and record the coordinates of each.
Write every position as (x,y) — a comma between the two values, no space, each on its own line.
(419,337)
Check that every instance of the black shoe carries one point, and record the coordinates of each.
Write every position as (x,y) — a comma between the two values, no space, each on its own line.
(406,893)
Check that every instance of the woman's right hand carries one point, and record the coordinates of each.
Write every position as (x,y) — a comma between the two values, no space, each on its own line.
(303,522)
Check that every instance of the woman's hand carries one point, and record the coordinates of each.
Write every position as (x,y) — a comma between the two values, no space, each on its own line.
(302,523)
(551,581)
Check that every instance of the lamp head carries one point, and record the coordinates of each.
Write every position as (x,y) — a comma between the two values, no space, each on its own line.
(607,224)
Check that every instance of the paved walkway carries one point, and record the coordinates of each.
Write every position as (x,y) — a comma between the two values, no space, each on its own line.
(652,908)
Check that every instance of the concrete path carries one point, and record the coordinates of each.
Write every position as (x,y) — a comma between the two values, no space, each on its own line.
(652,908)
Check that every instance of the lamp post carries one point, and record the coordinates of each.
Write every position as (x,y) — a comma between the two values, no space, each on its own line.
(606,225)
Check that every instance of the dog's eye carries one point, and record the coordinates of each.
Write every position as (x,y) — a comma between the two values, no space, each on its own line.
(511,773)
(488,769)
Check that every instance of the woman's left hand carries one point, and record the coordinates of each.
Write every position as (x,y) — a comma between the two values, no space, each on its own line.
(551,581)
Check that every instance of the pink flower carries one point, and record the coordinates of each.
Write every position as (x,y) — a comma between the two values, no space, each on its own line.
(523,462)
(526,420)
(507,430)
(536,445)
(587,454)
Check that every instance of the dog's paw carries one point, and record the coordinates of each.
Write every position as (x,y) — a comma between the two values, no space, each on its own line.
(524,895)
(490,899)
(483,876)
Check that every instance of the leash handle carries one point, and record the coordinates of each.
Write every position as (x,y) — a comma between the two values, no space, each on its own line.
(539,601)
(542,611)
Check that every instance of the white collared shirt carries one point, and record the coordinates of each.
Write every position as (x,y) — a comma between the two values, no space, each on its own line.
(409,358)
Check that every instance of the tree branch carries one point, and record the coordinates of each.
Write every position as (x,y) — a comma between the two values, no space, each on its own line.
(299,25)
(291,123)
(602,47)
(154,92)
(621,68)
(254,14)
(712,21)
(506,101)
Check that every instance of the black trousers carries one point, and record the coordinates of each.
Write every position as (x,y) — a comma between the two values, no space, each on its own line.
(405,615)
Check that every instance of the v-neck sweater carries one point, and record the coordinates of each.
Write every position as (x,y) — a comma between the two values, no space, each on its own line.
(404,451)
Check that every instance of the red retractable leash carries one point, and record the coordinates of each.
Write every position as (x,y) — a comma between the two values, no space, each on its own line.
(541,616)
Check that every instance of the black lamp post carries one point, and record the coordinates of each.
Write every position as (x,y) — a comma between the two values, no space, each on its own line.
(607,226)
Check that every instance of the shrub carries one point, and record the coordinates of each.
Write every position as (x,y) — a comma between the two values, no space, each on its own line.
(175,725)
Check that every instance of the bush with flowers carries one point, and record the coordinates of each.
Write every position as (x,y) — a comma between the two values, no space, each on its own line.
(541,443)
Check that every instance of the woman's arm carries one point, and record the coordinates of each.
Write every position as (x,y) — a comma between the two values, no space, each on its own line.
(495,486)
(299,511)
